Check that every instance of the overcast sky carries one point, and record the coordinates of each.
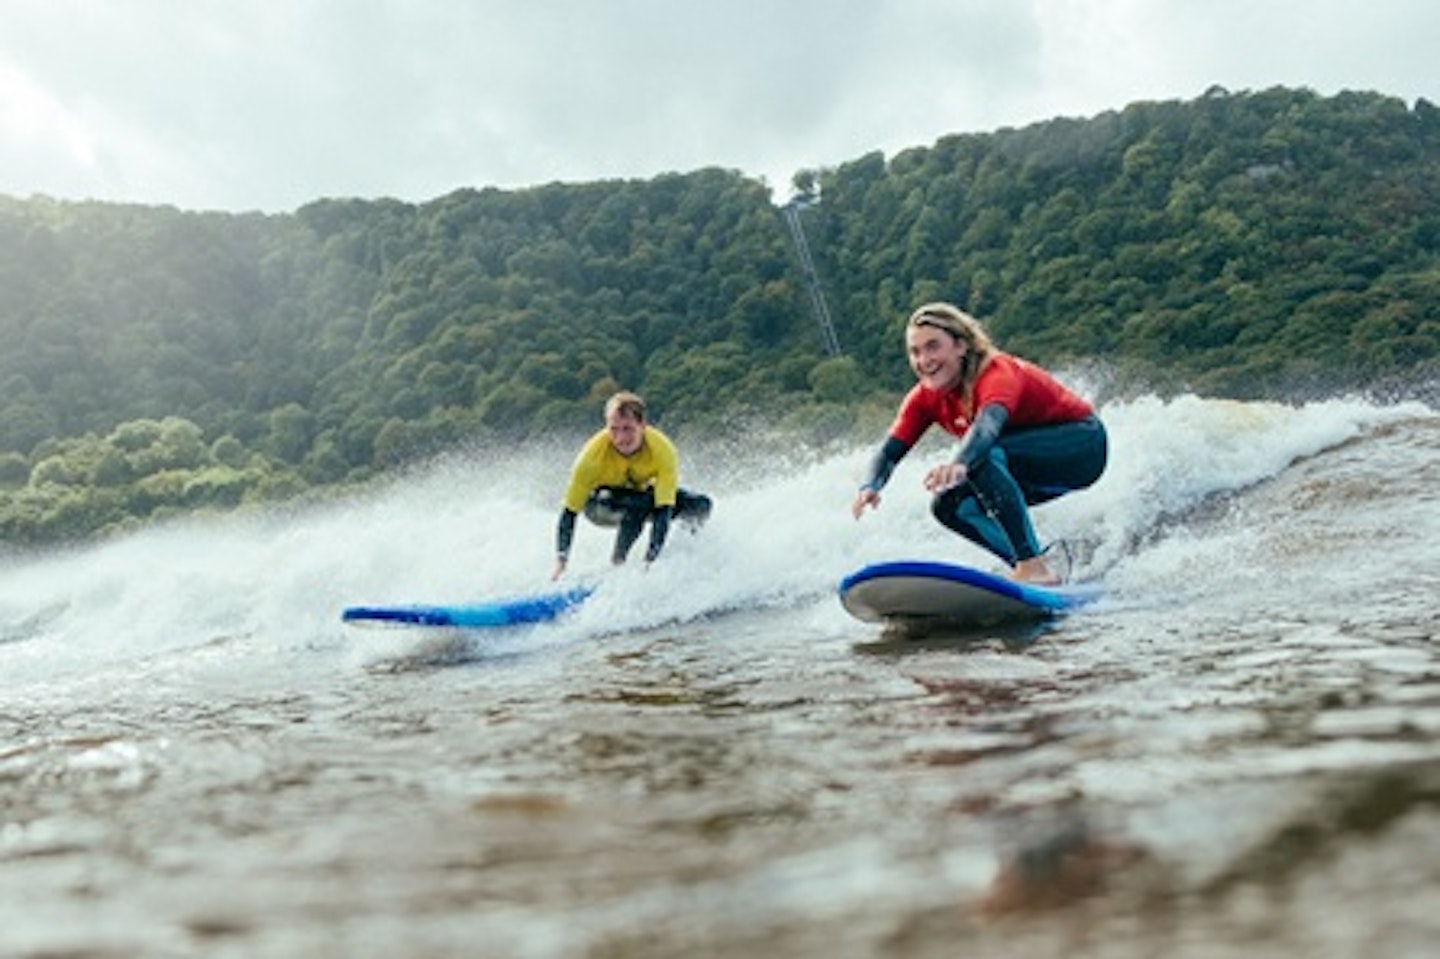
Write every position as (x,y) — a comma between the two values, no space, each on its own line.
(268,104)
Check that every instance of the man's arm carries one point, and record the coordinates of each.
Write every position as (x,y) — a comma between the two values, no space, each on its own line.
(564,536)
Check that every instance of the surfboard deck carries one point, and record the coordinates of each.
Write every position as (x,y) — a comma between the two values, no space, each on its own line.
(921,591)
(491,614)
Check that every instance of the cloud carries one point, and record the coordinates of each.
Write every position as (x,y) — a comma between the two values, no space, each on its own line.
(32,119)
(268,104)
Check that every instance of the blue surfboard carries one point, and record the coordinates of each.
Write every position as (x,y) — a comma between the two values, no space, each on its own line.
(510,611)
(919,591)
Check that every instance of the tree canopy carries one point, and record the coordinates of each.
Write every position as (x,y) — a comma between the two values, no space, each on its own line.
(1258,244)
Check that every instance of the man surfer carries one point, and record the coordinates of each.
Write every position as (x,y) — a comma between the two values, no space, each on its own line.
(627,474)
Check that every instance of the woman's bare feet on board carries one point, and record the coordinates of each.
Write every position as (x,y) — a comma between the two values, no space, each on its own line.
(1035,571)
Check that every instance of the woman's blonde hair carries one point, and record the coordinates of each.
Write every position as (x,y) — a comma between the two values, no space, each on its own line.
(949,318)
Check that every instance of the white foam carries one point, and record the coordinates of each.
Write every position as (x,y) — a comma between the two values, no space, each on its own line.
(472,528)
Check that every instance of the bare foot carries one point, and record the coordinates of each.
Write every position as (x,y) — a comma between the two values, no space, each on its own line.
(1035,571)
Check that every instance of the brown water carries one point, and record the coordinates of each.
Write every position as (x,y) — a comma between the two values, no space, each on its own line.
(1234,754)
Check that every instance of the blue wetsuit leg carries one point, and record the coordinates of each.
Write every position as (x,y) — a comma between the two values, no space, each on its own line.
(1024,467)
(1050,461)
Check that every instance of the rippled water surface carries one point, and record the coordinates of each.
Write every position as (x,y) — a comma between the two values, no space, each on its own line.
(1236,753)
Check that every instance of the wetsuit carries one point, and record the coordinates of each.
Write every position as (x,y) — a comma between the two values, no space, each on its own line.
(1031,440)
(613,489)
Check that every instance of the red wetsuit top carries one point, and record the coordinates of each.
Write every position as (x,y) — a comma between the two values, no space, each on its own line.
(1030,396)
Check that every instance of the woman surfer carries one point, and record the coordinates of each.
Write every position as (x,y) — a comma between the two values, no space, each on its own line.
(1024,438)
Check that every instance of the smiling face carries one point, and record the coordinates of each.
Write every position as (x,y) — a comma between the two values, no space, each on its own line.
(627,432)
(935,356)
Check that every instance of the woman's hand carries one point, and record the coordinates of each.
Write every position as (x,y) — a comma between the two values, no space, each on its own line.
(945,477)
(866,497)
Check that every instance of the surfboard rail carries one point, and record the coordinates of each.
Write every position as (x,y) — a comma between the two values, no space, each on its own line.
(508,611)
(910,590)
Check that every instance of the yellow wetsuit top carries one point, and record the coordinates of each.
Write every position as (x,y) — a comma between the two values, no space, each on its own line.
(599,464)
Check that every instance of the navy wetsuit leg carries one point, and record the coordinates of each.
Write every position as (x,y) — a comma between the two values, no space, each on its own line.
(1050,461)
(961,511)
(989,510)
(1024,467)
(630,526)
(692,508)
(625,509)
(628,510)
(601,510)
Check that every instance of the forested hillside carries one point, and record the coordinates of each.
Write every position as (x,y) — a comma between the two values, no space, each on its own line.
(1253,244)
(1249,245)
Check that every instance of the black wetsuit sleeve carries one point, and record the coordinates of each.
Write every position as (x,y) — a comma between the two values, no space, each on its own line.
(890,453)
(659,527)
(981,435)
(565,533)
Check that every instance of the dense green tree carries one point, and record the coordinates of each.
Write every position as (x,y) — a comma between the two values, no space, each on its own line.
(14,470)
(1250,244)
